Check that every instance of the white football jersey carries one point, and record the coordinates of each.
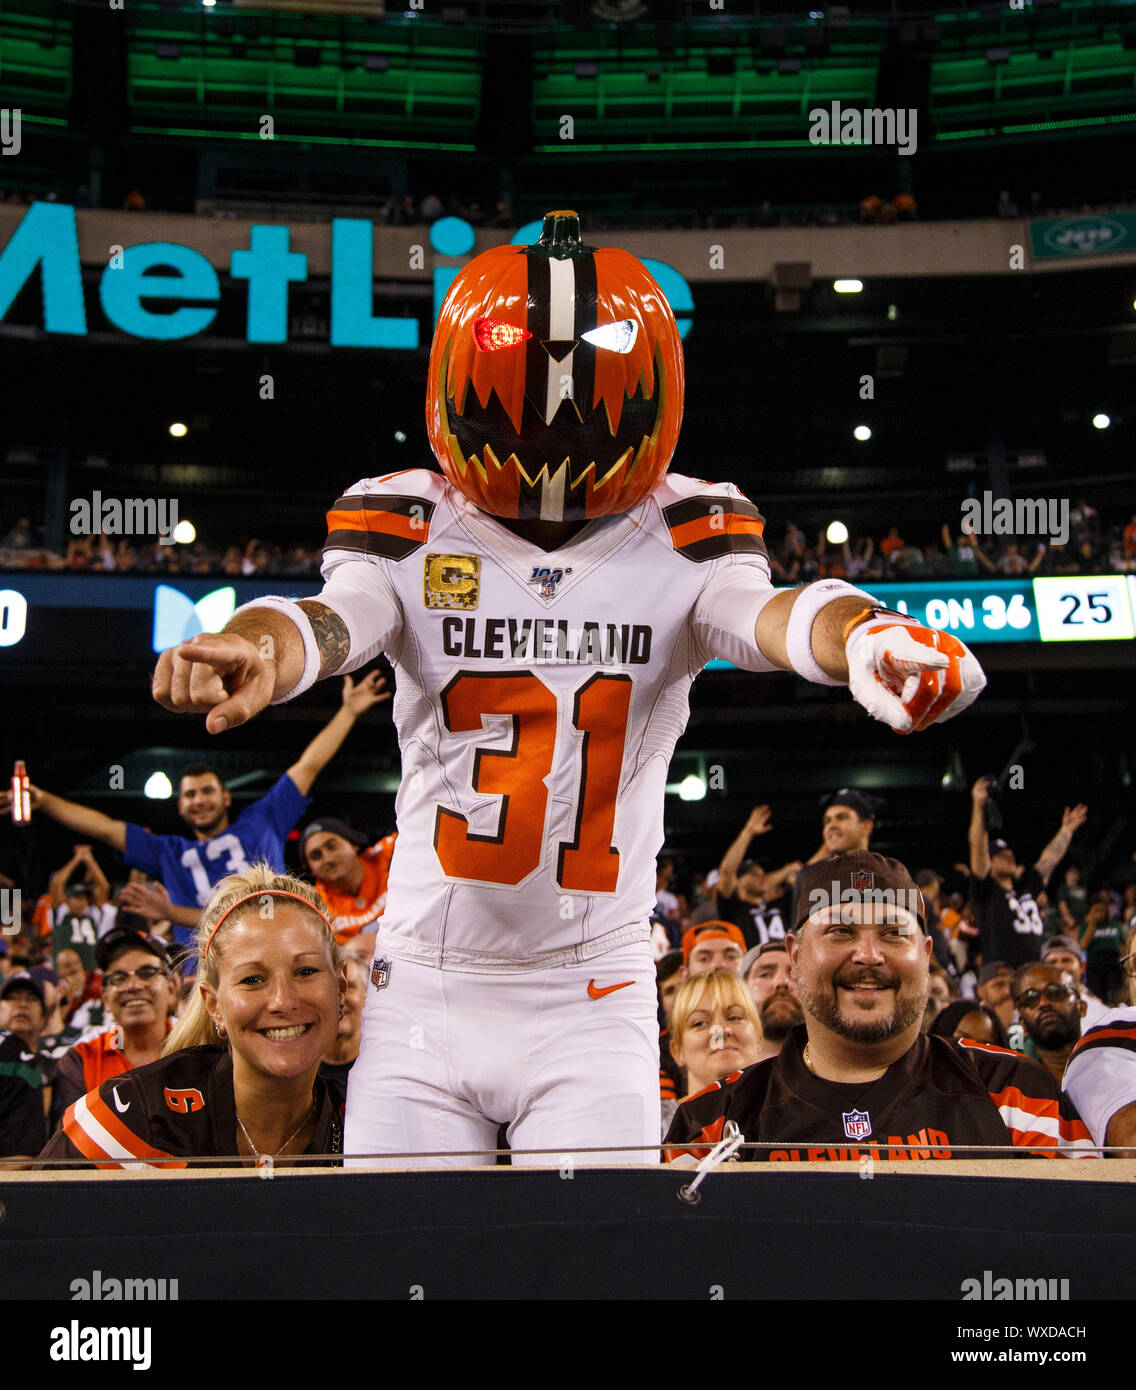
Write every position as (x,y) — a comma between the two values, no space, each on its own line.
(1100,1075)
(539,698)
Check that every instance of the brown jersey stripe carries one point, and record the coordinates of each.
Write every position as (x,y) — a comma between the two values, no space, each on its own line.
(377,524)
(403,504)
(1106,1037)
(719,545)
(708,505)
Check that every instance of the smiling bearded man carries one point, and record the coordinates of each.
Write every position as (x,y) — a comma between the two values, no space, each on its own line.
(858,1077)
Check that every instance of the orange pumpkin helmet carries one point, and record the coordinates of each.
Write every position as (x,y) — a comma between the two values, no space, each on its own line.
(555,384)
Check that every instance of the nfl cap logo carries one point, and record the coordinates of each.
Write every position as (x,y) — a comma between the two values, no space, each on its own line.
(863,880)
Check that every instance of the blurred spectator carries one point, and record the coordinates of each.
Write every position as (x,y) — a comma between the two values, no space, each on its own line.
(669,976)
(668,904)
(769,979)
(749,896)
(79,912)
(712,946)
(84,1006)
(1051,1011)
(141,994)
(1102,938)
(892,542)
(20,536)
(134,201)
(994,990)
(907,210)
(1006,205)
(1074,894)
(966,1019)
(707,909)
(939,993)
(431,208)
(1065,953)
(351,878)
(340,1057)
(1002,891)
(847,824)
(22,1128)
(23,1009)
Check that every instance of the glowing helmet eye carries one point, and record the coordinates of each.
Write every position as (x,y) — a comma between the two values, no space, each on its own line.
(616,337)
(491,335)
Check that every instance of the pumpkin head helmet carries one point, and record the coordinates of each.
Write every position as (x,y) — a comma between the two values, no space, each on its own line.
(555,383)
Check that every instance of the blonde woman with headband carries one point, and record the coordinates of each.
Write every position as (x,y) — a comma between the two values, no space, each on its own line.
(238,1074)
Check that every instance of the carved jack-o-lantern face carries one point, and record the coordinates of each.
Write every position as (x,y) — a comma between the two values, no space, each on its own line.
(555,384)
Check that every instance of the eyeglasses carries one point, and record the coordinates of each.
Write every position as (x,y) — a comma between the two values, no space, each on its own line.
(1032,996)
(145,973)
(1128,964)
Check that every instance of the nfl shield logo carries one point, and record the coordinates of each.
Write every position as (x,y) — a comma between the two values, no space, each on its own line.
(863,880)
(857,1125)
(380,973)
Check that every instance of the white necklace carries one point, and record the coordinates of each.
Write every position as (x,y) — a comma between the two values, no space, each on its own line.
(256,1152)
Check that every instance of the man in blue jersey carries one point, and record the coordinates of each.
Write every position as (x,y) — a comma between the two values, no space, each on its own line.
(187,867)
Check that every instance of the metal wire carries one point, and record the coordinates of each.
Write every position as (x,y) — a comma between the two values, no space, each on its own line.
(562,1154)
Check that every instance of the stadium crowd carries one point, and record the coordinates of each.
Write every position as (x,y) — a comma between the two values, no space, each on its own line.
(107,991)
(486,210)
(1094,546)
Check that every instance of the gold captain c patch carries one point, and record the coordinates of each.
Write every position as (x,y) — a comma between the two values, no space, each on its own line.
(451,581)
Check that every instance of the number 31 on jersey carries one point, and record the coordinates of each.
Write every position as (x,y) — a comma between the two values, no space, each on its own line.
(589,863)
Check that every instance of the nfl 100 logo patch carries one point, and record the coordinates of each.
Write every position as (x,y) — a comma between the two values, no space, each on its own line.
(381,973)
(546,579)
(857,1124)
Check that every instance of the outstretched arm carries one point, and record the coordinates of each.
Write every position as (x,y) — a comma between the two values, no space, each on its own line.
(259,657)
(357,699)
(1056,849)
(977,836)
(757,824)
(275,649)
(904,674)
(84,820)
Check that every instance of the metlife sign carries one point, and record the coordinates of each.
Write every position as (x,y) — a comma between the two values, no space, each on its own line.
(47,239)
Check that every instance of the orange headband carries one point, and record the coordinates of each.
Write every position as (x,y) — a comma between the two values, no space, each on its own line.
(264,893)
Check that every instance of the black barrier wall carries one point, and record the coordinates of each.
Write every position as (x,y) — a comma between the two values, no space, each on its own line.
(622,1234)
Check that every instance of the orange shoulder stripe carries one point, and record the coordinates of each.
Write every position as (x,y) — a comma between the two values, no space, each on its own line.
(378,522)
(704,528)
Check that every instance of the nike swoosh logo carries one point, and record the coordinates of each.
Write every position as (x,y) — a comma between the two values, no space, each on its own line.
(27,1056)
(118,1105)
(595,992)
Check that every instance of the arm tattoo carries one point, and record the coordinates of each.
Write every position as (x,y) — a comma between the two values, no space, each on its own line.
(331,634)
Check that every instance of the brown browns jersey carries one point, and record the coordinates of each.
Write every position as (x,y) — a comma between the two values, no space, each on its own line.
(944,1098)
(176,1109)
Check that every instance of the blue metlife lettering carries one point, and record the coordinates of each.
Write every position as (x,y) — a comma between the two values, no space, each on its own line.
(47,238)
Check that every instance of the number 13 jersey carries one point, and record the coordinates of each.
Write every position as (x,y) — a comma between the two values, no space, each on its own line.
(539,698)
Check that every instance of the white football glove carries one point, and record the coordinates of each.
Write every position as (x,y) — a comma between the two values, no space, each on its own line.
(909,676)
